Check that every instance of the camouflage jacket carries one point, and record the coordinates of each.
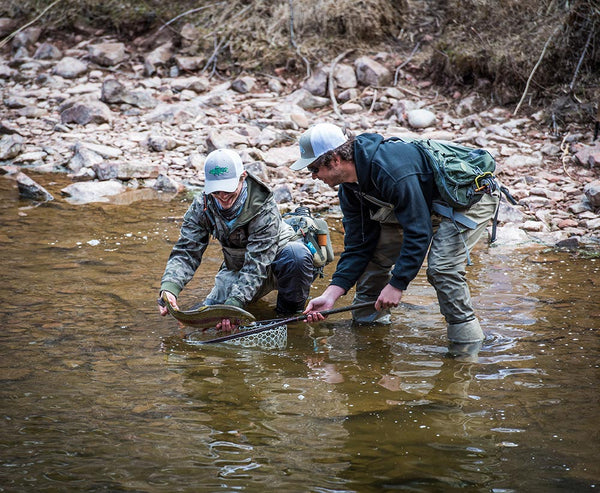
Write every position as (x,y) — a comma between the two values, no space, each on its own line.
(249,246)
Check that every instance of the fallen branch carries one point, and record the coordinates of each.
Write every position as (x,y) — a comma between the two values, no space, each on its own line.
(330,81)
(373,102)
(564,147)
(535,68)
(187,13)
(12,35)
(405,62)
(213,58)
(587,44)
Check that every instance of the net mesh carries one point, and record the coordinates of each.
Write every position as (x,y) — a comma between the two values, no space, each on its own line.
(274,338)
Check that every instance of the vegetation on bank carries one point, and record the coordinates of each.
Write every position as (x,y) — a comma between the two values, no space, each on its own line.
(549,49)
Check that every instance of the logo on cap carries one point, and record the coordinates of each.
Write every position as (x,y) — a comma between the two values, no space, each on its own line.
(218,171)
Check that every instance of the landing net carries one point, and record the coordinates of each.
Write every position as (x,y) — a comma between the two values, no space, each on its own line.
(274,338)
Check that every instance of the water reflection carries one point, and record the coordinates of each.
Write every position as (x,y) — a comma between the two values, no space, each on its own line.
(100,393)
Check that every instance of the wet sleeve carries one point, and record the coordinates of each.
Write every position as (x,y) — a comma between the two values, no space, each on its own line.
(186,255)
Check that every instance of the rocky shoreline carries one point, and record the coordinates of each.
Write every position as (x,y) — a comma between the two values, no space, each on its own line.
(116,118)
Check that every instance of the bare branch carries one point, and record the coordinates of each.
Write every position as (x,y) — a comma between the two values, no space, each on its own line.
(535,68)
(330,81)
(189,12)
(12,35)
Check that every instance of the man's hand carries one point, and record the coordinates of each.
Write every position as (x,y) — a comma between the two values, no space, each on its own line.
(388,298)
(171,298)
(226,325)
(323,302)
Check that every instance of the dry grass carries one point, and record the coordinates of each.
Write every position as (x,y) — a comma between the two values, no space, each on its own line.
(490,44)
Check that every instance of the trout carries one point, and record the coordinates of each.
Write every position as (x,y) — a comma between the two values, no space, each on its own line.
(208,316)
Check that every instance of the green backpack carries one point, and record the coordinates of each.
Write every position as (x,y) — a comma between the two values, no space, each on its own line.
(462,174)
(314,231)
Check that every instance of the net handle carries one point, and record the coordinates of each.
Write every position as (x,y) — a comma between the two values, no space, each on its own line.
(275,323)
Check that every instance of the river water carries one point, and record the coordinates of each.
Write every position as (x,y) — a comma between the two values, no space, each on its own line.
(100,393)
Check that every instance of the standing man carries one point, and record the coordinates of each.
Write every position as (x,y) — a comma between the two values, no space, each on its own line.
(386,192)
(259,248)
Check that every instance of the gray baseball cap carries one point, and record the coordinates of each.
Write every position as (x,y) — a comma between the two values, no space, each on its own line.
(316,141)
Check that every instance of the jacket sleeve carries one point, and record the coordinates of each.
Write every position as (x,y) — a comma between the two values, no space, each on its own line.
(360,238)
(263,240)
(186,255)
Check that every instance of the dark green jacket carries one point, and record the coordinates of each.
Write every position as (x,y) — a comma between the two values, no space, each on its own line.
(249,246)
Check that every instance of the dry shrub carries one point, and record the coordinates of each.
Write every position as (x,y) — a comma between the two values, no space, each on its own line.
(493,45)
(264,33)
(500,43)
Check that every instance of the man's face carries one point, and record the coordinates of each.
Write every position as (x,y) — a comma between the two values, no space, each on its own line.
(329,174)
(227,199)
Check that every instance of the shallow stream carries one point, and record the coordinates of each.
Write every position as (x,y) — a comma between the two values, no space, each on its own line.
(100,393)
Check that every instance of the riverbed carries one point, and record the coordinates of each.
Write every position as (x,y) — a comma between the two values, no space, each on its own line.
(100,393)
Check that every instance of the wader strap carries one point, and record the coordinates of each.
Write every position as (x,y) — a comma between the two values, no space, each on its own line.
(447,211)
(456,218)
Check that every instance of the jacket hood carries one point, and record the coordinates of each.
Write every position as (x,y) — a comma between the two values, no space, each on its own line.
(365,146)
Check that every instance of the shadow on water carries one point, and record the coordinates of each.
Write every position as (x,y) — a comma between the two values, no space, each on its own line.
(99,393)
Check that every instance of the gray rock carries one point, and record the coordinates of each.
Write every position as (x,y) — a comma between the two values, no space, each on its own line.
(420,118)
(106,170)
(7,26)
(344,76)
(107,152)
(27,37)
(307,101)
(10,146)
(592,192)
(168,184)
(47,51)
(70,68)
(29,189)
(83,113)
(316,84)
(107,54)
(159,57)
(93,191)
(115,92)
(372,73)
(160,143)
(226,139)
(282,194)
(83,158)
(244,84)
(128,170)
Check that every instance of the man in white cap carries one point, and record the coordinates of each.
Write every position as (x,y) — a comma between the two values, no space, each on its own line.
(259,248)
(386,192)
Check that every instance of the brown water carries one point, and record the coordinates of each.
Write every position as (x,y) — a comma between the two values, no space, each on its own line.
(99,393)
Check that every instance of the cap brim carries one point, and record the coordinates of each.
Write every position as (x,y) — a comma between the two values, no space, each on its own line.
(228,185)
(302,163)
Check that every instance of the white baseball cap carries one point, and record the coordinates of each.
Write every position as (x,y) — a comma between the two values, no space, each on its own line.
(316,141)
(222,171)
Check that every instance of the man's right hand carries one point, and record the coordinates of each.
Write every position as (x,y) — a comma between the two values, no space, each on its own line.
(171,299)
(322,303)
